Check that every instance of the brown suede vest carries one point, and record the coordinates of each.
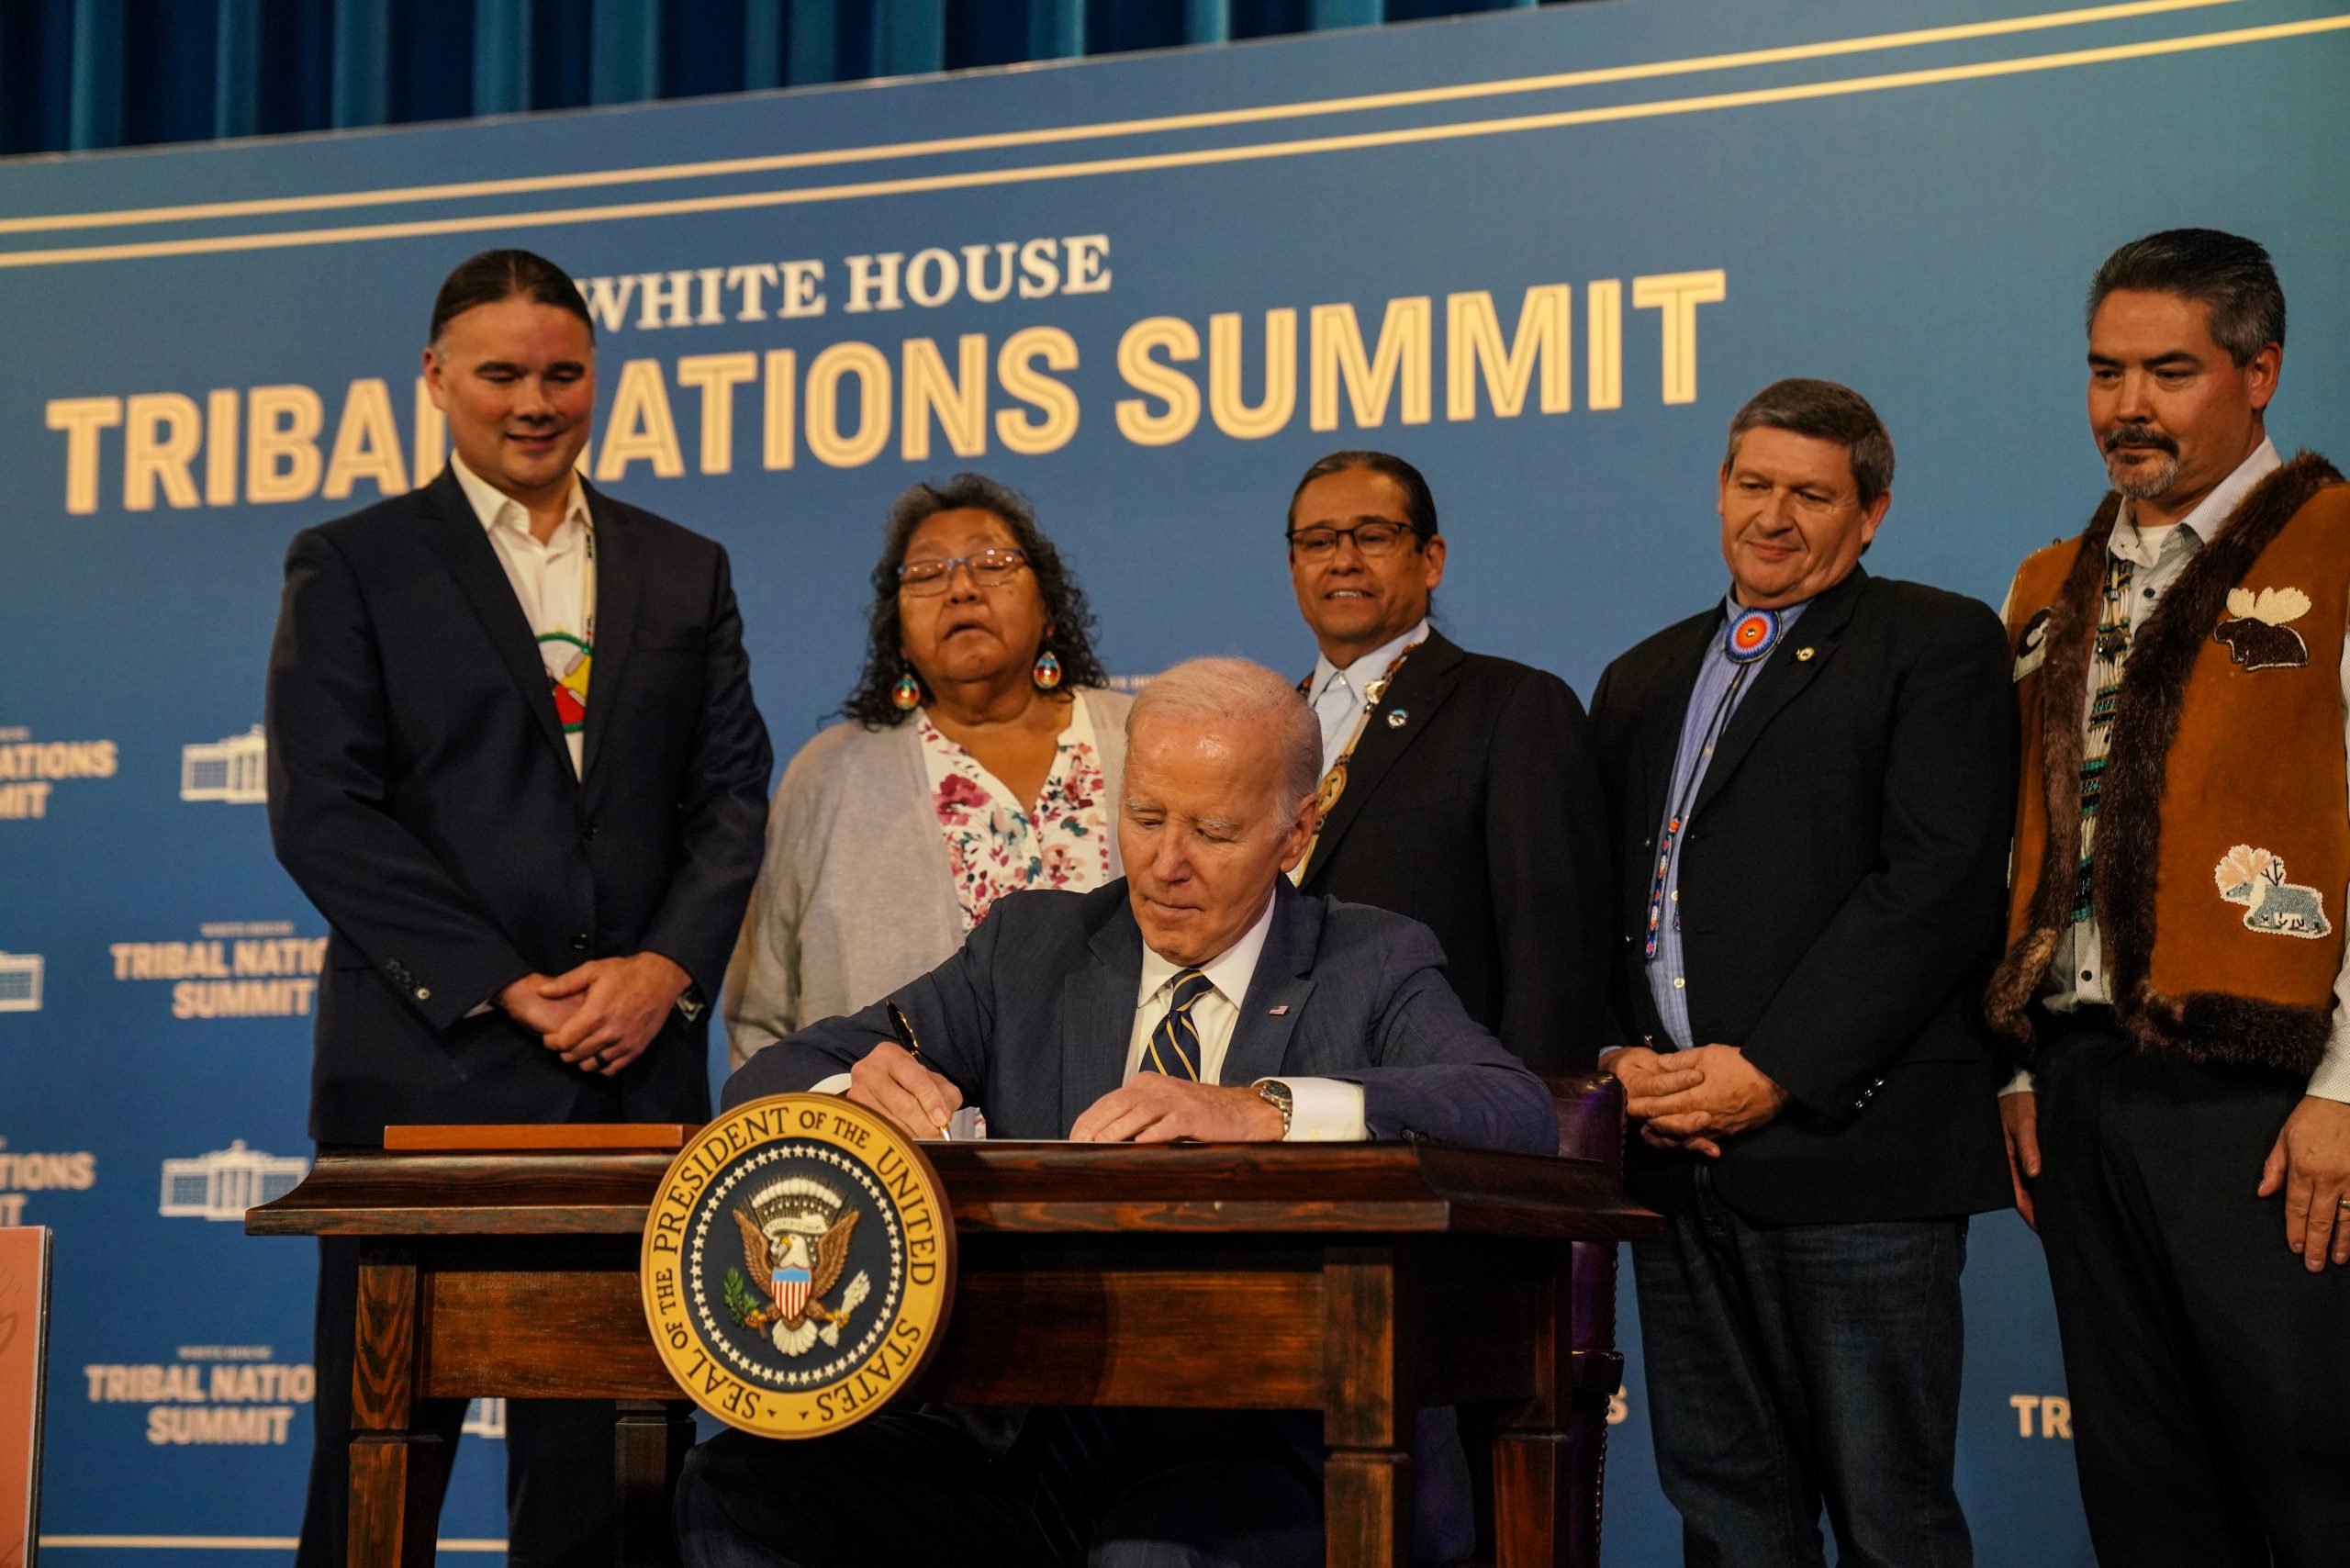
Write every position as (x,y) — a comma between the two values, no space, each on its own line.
(2223,824)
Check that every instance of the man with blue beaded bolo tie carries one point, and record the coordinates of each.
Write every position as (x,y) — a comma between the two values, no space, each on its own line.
(1809,784)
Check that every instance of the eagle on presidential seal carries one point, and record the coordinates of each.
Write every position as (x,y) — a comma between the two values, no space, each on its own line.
(795,1242)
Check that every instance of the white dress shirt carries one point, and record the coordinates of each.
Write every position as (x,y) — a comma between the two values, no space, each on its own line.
(2076,974)
(554,581)
(1338,693)
(1322,1110)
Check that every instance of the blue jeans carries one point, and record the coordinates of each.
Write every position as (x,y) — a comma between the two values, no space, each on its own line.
(1793,1368)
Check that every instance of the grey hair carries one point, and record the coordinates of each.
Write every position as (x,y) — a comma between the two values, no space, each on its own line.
(1240,688)
(1824,410)
(2230,275)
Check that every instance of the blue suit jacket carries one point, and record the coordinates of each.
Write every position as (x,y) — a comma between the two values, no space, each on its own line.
(1032,1017)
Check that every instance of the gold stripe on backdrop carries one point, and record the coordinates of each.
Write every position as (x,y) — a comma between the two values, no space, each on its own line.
(1138,163)
(1045,136)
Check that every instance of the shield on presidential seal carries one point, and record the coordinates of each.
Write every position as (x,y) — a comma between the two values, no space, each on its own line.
(791,1292)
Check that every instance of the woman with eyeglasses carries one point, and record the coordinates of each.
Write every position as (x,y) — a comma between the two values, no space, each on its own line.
(979,755)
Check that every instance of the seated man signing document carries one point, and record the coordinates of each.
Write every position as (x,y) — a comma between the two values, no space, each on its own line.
(1202,997)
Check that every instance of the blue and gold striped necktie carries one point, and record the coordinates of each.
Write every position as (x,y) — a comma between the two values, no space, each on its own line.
(1175,1043)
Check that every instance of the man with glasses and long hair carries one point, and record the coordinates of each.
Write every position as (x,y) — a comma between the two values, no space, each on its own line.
(1457,788)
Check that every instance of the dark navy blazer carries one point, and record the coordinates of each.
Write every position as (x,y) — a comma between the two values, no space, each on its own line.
(1031,1018)
(422,794)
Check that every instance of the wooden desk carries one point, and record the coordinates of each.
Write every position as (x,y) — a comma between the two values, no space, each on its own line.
(1364,1280)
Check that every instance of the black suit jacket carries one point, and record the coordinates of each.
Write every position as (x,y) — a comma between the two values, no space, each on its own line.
(1842,888)
(422,794)
(1480,817)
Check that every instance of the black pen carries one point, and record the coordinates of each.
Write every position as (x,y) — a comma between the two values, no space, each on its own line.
(905,1033)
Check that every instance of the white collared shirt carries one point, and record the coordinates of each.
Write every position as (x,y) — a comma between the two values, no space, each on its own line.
(1338,694)
(1323,1110)
(2076,973)
(555,583)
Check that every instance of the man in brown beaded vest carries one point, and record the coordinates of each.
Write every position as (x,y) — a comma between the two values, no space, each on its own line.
(2175,984)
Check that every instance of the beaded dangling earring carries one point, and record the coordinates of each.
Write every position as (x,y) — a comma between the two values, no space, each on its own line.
(1048,672)
(907,694)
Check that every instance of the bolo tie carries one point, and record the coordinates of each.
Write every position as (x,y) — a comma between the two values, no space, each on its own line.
(1746,642)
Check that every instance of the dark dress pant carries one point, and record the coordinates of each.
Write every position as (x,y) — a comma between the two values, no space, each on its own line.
(1105,1488)
(2209,1369)
(559,1452)
(1793,1369)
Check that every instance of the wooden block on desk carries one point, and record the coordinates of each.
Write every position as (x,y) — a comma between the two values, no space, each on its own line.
(541,1135)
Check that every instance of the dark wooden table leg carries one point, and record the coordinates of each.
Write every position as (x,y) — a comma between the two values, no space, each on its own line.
(1368,1483)
(653,1438)
(1551,1459)
(398,1473)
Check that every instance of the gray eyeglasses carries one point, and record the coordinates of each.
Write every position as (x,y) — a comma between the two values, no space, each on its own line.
(989,567)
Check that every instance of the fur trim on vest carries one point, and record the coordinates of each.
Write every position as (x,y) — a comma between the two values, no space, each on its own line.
(2205,1025)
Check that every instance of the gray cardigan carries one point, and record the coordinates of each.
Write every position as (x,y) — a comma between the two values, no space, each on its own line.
(856,896)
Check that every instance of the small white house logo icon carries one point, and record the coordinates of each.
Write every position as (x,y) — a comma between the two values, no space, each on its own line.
(226,1182)
(20,983)
(235,770)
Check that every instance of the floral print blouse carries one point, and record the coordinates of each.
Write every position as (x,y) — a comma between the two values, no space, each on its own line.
(995,845)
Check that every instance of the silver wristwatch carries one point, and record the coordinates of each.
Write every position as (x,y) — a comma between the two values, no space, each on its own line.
(1277,1094)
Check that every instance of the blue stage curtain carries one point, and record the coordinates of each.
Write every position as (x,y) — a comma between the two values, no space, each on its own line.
(85,73)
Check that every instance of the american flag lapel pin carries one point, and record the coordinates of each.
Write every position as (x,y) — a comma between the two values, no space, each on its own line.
(1280,1012)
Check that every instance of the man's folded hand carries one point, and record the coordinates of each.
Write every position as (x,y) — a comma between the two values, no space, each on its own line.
(618,1004)
(1648,1075)
(1733,1096)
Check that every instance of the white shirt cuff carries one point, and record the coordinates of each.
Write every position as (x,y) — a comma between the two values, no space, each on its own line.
(2021,1083)
(2332,1078)
(836,1084)
(1323,1110)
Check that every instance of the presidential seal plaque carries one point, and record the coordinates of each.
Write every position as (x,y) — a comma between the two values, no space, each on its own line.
(798,1265)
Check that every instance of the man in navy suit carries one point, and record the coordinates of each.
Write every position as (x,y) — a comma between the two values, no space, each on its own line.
(515,762)
(1202,998)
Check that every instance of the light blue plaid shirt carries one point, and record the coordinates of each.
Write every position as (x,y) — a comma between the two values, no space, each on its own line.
(1668,971)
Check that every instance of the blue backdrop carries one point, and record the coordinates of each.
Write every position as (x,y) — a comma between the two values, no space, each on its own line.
(1545,256)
